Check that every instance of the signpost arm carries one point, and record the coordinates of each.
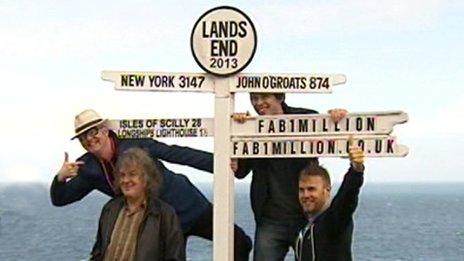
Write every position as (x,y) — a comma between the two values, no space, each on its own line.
(223,228)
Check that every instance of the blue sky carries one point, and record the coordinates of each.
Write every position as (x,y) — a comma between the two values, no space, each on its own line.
(397,55)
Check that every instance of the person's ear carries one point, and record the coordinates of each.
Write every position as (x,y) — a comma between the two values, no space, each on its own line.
(104,131)
(328,188)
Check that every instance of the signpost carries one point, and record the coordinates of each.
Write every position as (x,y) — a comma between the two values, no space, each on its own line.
(223,42)
(159,81)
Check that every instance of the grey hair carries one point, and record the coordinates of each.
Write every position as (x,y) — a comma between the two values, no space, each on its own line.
(139,158)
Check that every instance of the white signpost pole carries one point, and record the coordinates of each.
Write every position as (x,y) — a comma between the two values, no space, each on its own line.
(223,218)
(223,42)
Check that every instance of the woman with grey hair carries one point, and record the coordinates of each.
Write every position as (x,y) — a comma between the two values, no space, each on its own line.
(137,225)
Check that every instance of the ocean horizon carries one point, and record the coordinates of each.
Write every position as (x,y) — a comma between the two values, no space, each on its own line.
(393,221)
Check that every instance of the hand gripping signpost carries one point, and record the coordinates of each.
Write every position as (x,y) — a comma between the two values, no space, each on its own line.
(223,42)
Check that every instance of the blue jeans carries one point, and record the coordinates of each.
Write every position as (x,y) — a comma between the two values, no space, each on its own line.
(273,238)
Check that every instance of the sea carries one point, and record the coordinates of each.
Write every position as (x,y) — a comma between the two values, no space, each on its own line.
(394,221)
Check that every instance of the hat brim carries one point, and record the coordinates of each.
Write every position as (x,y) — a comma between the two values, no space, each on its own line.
(89,126)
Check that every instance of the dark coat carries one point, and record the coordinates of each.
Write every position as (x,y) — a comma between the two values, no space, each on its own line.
(160,236)
(263,168)
(331,232)
(176,190)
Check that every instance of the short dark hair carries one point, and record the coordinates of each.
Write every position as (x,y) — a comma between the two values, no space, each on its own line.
(315,170)
(141,159)
(279,95)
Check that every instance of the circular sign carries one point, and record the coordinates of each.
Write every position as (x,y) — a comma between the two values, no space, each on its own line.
(223,41)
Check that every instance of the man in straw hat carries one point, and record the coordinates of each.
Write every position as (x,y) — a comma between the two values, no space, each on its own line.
(94,170)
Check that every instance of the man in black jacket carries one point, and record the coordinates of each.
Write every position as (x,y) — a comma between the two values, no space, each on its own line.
(274,185)
(95,171)
(328,233)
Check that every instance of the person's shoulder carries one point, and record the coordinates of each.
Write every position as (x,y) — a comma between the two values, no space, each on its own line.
(298,110)
(86,156)
(125,144)
(113,202)
(162,207)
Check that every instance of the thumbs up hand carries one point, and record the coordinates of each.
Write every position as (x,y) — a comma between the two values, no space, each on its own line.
(69,169)
(356,155)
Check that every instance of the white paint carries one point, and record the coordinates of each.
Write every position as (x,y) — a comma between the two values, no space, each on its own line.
(223,41)
(159,81)
(162,128)
(285,82)
(322,146)
(319,124)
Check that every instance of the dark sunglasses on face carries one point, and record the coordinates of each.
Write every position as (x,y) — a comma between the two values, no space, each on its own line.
(88,134)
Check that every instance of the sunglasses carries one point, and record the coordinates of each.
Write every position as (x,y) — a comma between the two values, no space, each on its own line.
(89,134)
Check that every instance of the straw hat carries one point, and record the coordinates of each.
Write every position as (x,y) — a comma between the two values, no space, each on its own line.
(86,120)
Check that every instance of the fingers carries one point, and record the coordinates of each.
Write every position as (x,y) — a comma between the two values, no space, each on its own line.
(356,155)
(69,169)
(240,117)
(337,114)
(79,163)
(350,141)
(234,165)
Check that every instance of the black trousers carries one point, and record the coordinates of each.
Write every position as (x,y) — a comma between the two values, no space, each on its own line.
(204,229)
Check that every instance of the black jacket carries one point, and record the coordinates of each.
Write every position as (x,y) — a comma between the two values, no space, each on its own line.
(331,232)
(264,168)
(160,236)
(176,189)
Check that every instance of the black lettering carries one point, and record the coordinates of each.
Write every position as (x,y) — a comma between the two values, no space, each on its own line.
(203,29)
(215,47)
(359,124)
(223,29)
(390,146)
(281,125)
(139,79)
(124,80)
(255,148)
(378,146)
(302,147)
(235,145)
(260,125)
(292,125)
(245,149)
(243,32)
(213,30)
(233,48)
(276,148)
(324,125)
(170,81)
(331,148)
(370,124)
(271,127)
(320,147)
(292,148)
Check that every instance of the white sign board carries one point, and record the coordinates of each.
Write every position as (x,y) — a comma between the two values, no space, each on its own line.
(159,81)
(274,82)
(319,124)
(369,123)
(324,146)
(223,41)
(162,128)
